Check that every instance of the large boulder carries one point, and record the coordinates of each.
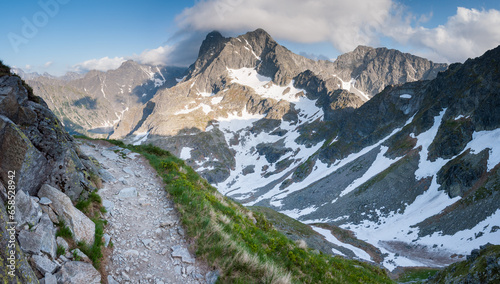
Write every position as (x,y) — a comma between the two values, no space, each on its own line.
(78,272)
(81,226)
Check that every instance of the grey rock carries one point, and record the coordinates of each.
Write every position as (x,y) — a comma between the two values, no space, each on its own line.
(106,176)
(81,226)
(46,234)
(27,210)
(45,201)
(108,205)
(29,242)
(131,252)
(128,170)
(109,155)
(49,279)
(146,242)
(44,264)
(107,239)
(111,280)
(128,192)
(77,272)
(183,253)
(20,155)
(62,242)
(81,255)
(52,215)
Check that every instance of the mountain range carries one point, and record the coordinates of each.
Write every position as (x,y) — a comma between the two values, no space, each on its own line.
(401,151)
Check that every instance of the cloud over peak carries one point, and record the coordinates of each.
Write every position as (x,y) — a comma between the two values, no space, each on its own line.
(347,24)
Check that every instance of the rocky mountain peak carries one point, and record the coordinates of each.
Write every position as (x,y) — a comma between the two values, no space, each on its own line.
(129,64)
(366,64)
(212,42)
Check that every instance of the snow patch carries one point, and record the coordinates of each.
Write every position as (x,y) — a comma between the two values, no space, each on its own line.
(216,101)
(140,138)
(405,96)
(180,79)
(185,153)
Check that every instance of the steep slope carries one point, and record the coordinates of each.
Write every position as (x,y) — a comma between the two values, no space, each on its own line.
(37,155)
(92,104)
(415,167)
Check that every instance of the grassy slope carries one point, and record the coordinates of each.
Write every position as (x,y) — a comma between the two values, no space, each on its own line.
(242,244)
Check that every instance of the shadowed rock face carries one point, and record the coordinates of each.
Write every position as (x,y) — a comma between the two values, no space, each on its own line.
(34,144)
(36,153)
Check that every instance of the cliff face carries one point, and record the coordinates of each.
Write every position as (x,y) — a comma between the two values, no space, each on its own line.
(36,152)
(35,146)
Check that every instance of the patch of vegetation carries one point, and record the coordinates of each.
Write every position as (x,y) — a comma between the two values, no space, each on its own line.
(64,231)
(94,251)
(60,250)
(243,244)
(92,207)
(76,257)
(417,275)
(84,205)
(4,69)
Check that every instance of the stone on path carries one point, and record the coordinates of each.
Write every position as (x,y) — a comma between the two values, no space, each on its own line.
(128,192)
(183,253)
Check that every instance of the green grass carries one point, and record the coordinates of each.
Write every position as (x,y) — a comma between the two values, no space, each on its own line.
(60,250)
(242,244)
(417,275)
(63,231)
(76,257)
(84,204)
(94,251)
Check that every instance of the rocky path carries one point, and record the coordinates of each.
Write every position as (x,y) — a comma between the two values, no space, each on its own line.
(147,240)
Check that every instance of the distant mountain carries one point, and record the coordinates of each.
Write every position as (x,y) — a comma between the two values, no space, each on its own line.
(93,103)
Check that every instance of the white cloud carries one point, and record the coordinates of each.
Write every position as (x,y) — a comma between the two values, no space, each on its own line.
(102,64)
(157,56)
(47,64)
(346,24)
(28,67)
(467,34)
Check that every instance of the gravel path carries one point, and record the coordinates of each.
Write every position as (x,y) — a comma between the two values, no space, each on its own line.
(148,242)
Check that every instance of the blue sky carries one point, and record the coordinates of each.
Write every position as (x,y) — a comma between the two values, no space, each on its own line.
(56,36)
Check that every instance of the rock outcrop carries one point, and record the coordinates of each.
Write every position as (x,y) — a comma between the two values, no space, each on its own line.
(35,146)
(38,157)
